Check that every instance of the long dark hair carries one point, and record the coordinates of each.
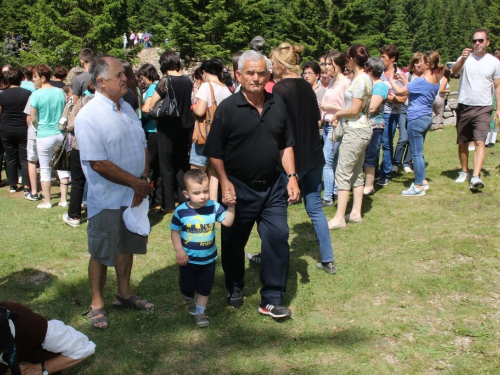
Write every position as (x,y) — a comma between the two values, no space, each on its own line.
(131,80)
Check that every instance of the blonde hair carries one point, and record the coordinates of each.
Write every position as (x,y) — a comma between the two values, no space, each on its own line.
(288,56)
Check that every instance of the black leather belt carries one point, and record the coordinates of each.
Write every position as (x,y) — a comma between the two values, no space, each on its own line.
(257,183)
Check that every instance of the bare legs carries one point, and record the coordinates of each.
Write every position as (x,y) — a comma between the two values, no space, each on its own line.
(479,156)
(343,199)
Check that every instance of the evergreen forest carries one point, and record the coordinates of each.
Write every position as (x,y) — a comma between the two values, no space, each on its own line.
(199,29)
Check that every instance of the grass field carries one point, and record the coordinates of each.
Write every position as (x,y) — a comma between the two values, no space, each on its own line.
(417,289)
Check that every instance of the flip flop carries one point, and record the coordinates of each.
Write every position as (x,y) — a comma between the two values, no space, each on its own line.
(93,320)
(133,302)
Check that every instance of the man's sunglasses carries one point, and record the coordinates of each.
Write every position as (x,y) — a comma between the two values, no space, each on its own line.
(474,41)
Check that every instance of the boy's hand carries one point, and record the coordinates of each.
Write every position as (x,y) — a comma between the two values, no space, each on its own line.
(181,257)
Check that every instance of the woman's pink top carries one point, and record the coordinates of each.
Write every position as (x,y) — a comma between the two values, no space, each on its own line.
(334,95)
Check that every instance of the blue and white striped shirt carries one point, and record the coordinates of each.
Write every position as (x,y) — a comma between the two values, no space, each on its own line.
(197,227)
(104,133)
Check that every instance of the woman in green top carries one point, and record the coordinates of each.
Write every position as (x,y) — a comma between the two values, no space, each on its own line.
(47,104)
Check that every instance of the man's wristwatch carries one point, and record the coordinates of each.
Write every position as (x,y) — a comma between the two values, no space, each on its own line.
(293,175)
(44,370)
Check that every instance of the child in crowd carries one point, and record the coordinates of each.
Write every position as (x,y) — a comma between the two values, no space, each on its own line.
(193,237)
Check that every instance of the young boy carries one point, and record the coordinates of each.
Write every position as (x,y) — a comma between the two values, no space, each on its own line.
(193,237)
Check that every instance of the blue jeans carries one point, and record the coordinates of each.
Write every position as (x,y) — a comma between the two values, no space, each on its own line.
(417,129)
(372,152)
(391,122)
(310,186)
(329,150)
(402,144)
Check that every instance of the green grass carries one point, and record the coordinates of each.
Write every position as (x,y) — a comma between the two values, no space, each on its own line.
(417,289)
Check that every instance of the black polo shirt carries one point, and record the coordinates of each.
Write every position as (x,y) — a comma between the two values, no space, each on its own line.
(249,143)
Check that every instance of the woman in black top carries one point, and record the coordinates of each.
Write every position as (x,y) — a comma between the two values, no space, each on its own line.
(14,128)
(174,133)
(304,116)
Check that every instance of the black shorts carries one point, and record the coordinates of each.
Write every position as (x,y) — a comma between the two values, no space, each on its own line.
(473,123)
(197,278)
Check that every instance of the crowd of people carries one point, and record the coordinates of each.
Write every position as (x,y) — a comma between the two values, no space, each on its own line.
(283,131)
(141,38)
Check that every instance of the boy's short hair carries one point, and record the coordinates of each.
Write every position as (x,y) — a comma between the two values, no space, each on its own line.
(194,175)
(86,55)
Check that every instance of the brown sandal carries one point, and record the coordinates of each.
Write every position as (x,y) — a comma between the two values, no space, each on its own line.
(93,320)
(133,302)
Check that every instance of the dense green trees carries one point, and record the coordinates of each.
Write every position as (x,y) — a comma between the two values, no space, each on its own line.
(204,28)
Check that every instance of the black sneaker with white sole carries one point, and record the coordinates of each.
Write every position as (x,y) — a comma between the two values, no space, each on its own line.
(235,299)
(276,311)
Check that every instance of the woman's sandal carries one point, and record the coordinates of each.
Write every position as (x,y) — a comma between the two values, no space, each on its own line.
(133,302)
(91,314)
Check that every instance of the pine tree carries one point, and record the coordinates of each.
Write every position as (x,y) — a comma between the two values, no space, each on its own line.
(398,34)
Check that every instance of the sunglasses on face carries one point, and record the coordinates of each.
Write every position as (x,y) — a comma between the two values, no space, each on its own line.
(474,41)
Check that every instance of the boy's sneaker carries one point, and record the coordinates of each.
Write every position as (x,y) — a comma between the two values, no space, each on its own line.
(462,177)
(327,267)
(73,222)
(413,192)
(395,169)
(190,305)
(13,189)
(29,196)
(235,299)
(476,183)
(276,311)
(201,320)
(253,258)
(408,170)
(383,181)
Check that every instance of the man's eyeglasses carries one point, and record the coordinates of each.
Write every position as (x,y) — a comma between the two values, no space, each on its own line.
(474,41)
(308,74)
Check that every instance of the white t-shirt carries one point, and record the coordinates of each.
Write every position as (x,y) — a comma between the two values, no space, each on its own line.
(220,93)
(476,81)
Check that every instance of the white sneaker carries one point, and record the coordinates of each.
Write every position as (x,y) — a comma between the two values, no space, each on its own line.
(63,204)
(73,222)
(408,170)
(45,205)
(476,183)
(412,191)
(395,169)
(462,177)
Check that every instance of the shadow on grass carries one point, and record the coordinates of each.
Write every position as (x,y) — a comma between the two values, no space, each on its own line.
(25,285)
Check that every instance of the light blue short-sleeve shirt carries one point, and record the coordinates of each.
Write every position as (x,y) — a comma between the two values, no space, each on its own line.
(104,133)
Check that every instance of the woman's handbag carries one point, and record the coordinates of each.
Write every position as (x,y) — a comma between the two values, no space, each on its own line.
(60,158)
(202,126)
(337,133)
(166,107)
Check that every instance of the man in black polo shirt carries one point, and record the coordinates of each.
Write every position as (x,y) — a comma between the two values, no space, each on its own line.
(249,138)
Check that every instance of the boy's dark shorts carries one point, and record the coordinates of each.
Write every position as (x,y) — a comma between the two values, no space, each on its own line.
(197,278)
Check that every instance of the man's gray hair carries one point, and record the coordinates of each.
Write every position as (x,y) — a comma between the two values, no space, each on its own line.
(251,55)
(99,68)
(375,66)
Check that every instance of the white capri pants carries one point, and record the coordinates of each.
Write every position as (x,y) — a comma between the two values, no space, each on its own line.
(45,149)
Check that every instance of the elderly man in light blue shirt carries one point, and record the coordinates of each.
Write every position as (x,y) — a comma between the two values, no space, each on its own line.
(115,162)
